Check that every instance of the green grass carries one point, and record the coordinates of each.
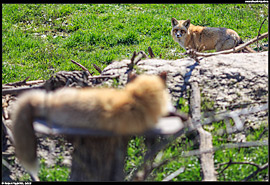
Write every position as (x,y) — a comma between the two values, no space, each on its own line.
(41,39)
(56,173)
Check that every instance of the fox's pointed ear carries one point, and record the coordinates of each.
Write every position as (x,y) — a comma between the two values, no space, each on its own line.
(131,77)
(187,23)
(163,76)
(174,22)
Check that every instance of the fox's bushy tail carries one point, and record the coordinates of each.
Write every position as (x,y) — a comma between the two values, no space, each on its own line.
(24,135)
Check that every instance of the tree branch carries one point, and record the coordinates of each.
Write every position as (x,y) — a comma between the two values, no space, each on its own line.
(97,68)
(259,168)
(174,174)
(81,66)
(150,51)
(19,90)
(226,146)
(195,54)
(103,76)
(23,82)
(221,116)
(259,33)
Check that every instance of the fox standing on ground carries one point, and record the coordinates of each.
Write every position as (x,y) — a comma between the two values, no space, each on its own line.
(204,38)
(132,110)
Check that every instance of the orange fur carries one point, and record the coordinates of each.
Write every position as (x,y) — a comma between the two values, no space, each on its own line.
(131,110)
(203,38)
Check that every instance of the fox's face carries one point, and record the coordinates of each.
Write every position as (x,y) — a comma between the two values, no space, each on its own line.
(180,28)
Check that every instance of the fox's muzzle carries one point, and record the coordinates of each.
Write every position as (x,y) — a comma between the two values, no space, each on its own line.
(178,34)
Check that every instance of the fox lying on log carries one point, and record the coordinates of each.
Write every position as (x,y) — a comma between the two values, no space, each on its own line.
(131,110)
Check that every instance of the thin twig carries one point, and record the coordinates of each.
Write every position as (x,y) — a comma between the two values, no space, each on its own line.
(155,166)
(131,64)
(103,76)
(263,132)
(174,174)
(133,57)
(256,172)
(23,82)
(136,57)
(150,51)
(220,116)
(19,90)
(228,164)
(238,48)
(259,168)
(221,147)
(259,33)
(97,68)
(34,82)
(226,146)
(140,55)
(249,163)
(155,149)
(81,66)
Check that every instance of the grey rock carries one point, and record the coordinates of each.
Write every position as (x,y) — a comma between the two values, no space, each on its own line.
(229,80)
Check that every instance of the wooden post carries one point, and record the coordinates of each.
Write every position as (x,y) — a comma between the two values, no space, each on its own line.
(207,162)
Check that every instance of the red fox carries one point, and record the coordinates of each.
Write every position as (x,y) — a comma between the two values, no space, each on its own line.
(131,110)
(204,38)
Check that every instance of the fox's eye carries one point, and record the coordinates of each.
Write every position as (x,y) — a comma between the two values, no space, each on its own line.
(182,31)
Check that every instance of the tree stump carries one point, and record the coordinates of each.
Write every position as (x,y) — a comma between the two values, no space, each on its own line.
(98,158)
